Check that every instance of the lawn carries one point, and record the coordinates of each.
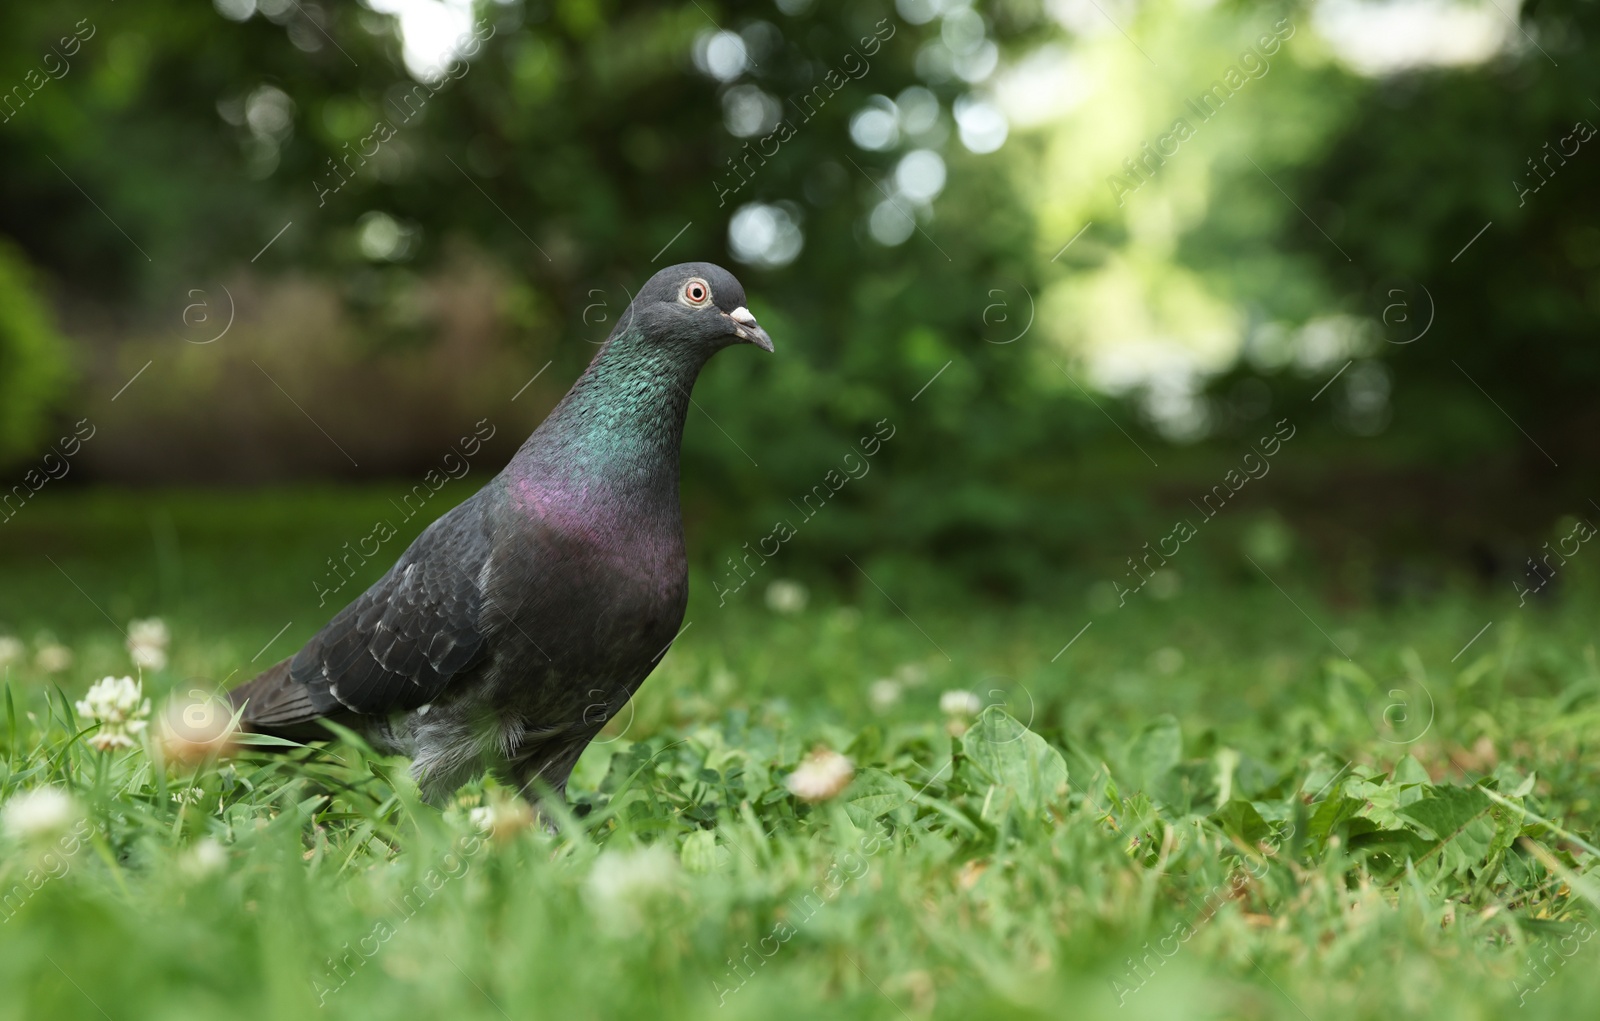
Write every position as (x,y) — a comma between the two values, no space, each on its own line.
(1234,801)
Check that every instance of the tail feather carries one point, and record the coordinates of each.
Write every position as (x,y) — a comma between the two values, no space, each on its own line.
(274,700)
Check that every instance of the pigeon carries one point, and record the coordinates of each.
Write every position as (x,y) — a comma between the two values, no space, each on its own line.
(522,620)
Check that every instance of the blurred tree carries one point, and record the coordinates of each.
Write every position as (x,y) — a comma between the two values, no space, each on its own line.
(1476,184)
(33,363)
(842,158)
(1450,221)
(850,148)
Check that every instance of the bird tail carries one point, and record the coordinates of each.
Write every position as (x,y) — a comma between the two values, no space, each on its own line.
(275,703)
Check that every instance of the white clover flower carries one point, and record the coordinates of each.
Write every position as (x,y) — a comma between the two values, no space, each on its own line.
(148,657)
(820,776)
(502,820)
(149,631)
(911,674)
(204,858)
(785,596)
(52,658)
(40,812)
(11,650)
(622,883)
(960,703)
(188,796)
(117,704)
(883,694)
(147,643)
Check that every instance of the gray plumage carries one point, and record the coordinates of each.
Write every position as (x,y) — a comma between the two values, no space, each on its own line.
(524,618)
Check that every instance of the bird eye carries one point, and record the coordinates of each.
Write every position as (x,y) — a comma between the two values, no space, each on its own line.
(695,292)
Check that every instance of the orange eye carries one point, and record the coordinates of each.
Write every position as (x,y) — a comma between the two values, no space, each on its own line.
(696,291)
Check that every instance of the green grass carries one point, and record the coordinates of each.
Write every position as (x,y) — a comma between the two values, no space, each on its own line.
(1251,824)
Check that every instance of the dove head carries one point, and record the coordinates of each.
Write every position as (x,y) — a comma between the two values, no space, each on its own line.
(695,304)
(621,424)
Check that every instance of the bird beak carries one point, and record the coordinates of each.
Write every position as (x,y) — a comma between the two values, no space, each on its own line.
(747,329)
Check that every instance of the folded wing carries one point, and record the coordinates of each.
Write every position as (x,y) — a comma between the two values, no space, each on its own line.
(399,644)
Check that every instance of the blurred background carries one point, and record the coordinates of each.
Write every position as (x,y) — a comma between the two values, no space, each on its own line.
(268,268)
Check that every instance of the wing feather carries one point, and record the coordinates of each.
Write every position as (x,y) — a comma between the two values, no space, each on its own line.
(400,643)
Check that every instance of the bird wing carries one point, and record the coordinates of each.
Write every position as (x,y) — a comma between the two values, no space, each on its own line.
(400,643)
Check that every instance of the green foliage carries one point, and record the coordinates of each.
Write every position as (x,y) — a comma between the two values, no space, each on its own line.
(33,358)
(1264,841)
(1443,215)
(581,146)
(1022,770)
